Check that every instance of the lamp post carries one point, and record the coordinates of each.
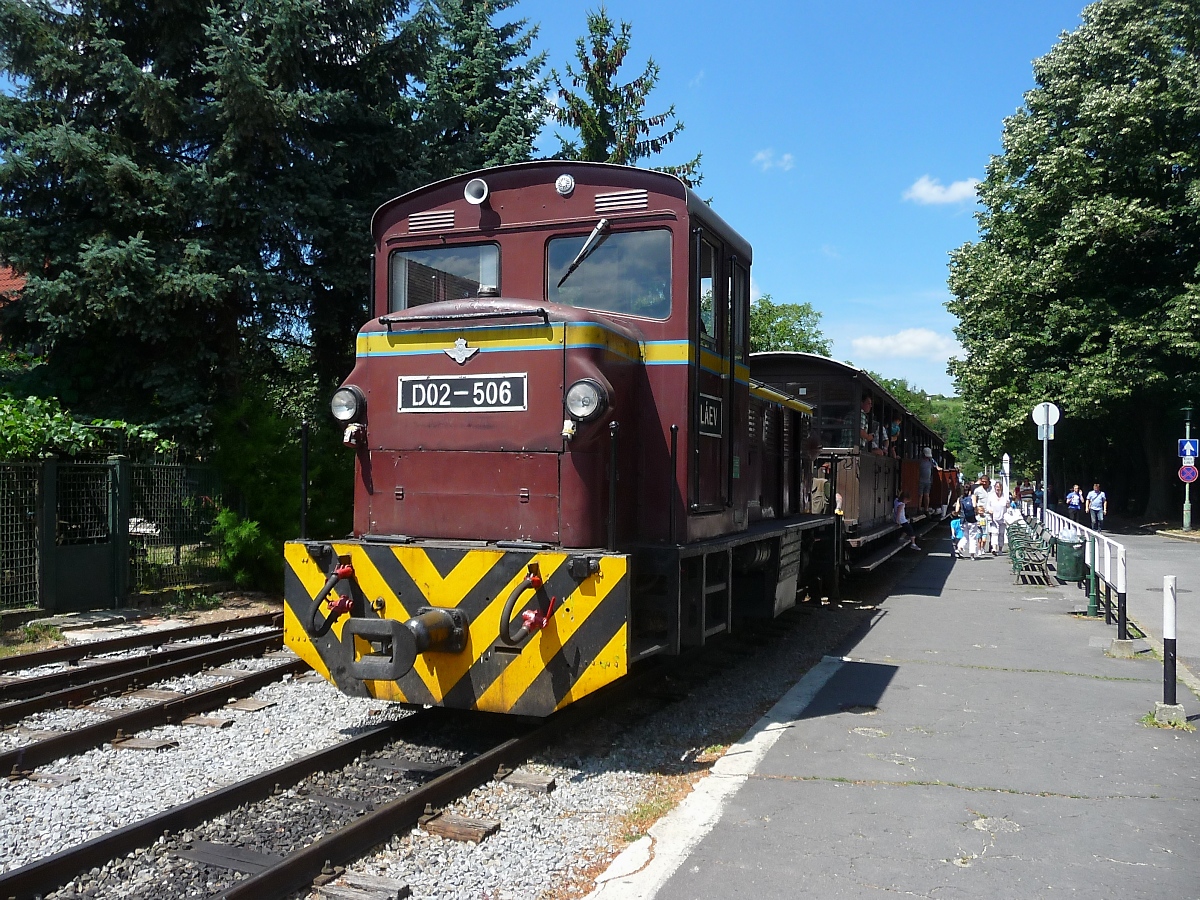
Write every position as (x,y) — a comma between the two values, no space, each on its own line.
(1005,464)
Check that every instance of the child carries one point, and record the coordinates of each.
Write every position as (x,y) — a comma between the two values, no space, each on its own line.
(898,511)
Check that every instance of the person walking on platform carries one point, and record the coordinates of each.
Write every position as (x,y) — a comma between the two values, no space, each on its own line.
(1097,504)
(965,510)
(996,508)
(1075,505)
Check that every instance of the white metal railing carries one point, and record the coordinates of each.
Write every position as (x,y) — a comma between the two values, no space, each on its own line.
(1103,557)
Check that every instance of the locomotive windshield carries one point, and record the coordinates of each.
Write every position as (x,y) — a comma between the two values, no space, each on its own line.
(629,273)
(441,273)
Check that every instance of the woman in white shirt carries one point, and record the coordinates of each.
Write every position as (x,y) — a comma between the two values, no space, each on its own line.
(996,508)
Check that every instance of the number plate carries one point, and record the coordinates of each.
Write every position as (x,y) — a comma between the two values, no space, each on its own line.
(463,393)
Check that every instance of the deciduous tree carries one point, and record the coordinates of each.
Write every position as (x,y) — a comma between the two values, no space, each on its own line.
(1084,286)
(786,326)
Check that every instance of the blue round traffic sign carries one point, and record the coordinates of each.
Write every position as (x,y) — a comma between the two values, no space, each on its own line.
(1187,474)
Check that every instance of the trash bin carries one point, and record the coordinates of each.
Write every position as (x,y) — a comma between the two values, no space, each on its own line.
(1068,560)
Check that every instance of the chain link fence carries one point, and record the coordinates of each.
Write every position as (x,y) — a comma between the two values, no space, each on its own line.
(170,524)
(166,522)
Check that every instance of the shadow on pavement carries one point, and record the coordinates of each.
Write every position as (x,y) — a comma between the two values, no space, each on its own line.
(856,687)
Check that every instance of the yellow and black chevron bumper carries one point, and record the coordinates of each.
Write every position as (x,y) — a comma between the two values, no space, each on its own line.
(584,645)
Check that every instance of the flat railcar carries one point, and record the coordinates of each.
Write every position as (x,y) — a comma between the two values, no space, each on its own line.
(871,447)
(562,463)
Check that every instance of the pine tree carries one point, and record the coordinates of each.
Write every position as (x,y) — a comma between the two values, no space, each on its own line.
(483,101)
(610,117)
(188,185)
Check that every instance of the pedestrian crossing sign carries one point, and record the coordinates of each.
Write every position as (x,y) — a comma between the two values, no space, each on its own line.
(1189,446)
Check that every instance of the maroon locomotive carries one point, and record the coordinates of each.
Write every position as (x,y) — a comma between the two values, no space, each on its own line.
(562,463)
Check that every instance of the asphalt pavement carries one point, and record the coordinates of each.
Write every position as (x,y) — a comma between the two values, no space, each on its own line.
(1148,559)
(975,741)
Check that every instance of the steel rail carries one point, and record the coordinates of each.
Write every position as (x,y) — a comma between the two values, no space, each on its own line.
(37,685)
(297,871)
(116,684)
(52,872)
(21,760)
(132,641)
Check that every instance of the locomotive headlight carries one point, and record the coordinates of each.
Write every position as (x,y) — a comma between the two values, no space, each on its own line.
(348,404)
(586,399)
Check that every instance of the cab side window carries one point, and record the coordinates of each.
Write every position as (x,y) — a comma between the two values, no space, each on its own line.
(710,334)
(739,300)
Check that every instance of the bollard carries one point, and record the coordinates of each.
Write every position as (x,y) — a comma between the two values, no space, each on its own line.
(1169,640)
(1169,712)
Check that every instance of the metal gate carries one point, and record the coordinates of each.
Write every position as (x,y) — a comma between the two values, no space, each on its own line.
(81,545)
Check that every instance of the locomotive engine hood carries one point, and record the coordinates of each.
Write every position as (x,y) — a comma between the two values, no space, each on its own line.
(478,411)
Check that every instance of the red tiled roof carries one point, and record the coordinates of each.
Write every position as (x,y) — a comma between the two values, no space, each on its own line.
(10,282)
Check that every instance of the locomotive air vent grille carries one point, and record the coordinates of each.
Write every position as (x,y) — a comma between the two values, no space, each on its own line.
(618,200)
(438,220)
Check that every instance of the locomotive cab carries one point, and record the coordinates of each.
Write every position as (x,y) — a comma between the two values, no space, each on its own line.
(557,445)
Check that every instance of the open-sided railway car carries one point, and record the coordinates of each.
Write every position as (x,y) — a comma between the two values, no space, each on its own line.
(562,465)
(872,445)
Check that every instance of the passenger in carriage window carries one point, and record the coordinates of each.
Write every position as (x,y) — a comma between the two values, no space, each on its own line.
(866,435)
(894,437)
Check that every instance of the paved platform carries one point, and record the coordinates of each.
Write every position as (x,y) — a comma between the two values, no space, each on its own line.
(976,741)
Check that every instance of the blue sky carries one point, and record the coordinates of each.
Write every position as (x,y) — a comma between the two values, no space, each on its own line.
(816,119)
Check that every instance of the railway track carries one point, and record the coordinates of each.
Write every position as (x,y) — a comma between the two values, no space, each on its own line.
(353,796)
(74,653)
(76,686)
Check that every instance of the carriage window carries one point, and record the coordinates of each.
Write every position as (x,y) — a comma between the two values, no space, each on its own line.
(628,273)
(442,273)
(838,409)
(709,334)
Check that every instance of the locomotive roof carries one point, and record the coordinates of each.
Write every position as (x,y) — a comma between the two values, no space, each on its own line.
(668,184)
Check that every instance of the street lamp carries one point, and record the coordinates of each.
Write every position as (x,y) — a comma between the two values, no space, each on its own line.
(1005,467)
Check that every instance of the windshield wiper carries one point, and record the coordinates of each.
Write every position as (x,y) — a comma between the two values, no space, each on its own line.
(598,236)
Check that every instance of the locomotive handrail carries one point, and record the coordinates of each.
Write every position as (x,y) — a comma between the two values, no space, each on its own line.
(456,317)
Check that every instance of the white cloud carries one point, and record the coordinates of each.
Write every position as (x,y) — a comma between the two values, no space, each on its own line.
(697,80)
(916,343)
(755,290)
(926,191)
(830,251)
(767,160)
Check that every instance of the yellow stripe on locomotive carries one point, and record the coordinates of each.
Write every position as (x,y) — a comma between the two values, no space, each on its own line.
(423,624)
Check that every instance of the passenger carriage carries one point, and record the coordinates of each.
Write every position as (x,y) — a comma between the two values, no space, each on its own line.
(867,482)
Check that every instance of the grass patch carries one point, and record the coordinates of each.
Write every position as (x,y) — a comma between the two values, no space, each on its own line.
(1150,722)
(185,601)
(29,638)
(666,793)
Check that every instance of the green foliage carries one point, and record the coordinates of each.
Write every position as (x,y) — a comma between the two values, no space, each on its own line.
(33,428)
(39,632)
(1084,287)
(608,116)
(484,98)
(188,191)
(183,601)
(941,414)
(248,557)
(786,326)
